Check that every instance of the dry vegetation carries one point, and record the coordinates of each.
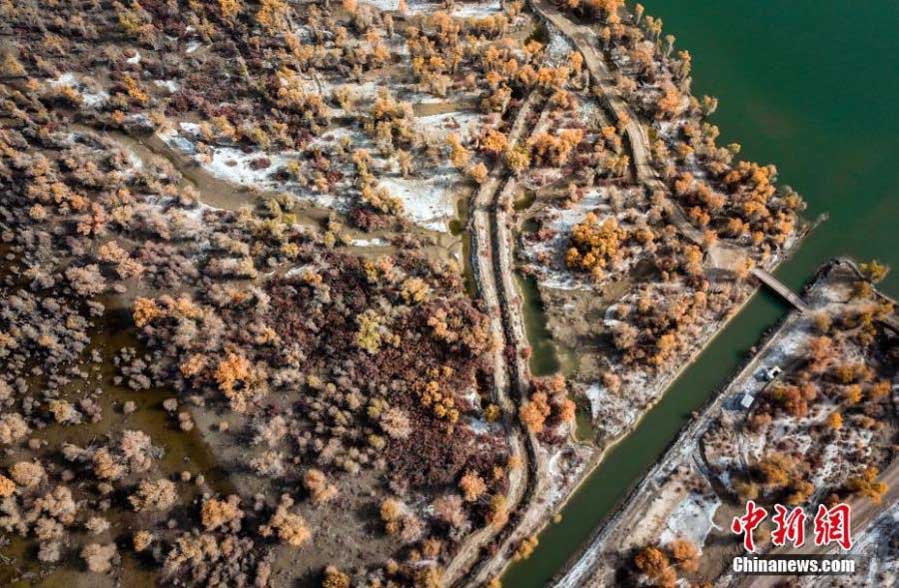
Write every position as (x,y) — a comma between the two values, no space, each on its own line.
(824,428)
(656,258)
(198,377)
(821,429)
(324,383)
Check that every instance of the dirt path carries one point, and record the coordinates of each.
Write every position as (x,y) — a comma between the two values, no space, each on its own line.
(585,39)
(583,570)
(491,262)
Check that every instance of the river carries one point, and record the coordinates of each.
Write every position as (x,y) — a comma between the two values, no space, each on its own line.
(811,87)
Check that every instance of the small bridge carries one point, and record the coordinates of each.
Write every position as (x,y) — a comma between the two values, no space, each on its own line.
(780,289)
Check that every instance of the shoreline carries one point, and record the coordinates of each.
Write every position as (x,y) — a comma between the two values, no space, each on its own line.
(639,497)
(480,570)
(701,414)
(592,466)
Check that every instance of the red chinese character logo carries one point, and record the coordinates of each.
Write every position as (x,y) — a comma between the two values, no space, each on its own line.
(832,525)
(748,522)
(790,527)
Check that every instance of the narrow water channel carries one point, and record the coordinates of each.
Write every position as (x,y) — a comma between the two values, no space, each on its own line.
(808,85)
(626,462)
(544,359)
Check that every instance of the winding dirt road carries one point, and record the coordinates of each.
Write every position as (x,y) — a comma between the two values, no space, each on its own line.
(491,262)
(585,39)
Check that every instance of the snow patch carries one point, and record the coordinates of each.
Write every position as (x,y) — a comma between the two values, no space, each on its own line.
(171,85)
(376,242)
(385,5)
(91,99)
(595,394)
(465,124)
(429,202)
(693,519)
(559,48)
(239,167)
(476,9)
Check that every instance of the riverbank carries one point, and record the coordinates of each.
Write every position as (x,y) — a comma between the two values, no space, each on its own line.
(650,395)
(768,124)
(582,565)
(522,573)
(681,486)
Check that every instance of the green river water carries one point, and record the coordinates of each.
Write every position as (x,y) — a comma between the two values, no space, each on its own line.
(811,87)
